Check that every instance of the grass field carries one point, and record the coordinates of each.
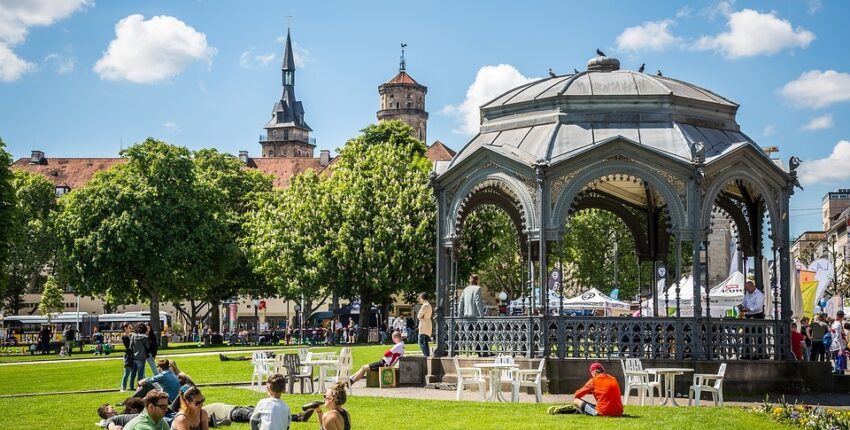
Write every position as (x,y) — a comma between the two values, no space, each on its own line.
(77,411)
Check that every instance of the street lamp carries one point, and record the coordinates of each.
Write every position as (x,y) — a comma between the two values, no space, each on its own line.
(503,297)
(300,326)
(256,304)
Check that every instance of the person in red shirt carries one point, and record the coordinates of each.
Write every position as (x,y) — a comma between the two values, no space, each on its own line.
(798,342)
(606,392)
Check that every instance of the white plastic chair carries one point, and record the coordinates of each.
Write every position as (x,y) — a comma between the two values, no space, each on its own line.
(507,374)
(468,376)
(529,378)
(262,368)
(708,383)
(635,378)
(342,371)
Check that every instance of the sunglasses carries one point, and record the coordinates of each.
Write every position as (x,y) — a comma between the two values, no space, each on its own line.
(200,402)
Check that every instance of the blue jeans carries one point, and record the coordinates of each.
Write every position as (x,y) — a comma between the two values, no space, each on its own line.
(129,376)
(423,344)
(138,370)
(152,364)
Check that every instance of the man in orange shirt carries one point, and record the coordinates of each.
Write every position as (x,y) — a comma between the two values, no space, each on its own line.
(606,392)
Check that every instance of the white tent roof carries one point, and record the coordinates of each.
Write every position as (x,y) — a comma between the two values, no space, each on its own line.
(594,299)
(731,287)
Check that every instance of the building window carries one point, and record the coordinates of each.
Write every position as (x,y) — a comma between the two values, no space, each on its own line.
(408,105)
(271,152)
(61,191)
(396,105)
(286,134)
(274,133)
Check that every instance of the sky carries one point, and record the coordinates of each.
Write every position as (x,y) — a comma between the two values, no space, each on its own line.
(82,78)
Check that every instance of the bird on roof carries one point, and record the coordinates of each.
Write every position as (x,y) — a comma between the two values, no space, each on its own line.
(575,71)
(552,74)
(659,73)
(600,53)
(642,67)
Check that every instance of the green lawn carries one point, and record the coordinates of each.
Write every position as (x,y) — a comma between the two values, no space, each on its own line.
(105,374)
(77,411)
(373,413)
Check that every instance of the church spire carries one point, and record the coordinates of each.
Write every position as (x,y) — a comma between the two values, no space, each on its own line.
(288,67)
(402,66)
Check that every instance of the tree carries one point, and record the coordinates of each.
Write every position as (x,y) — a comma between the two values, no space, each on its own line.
(231,190)
(385,238)
(52,300)
(288,239)
(489,247)
(143,229)
(7,208)
(32,244)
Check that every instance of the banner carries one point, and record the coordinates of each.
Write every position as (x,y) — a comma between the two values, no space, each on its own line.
(809,291)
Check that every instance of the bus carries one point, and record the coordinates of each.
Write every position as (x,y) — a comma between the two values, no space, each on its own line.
(27,327)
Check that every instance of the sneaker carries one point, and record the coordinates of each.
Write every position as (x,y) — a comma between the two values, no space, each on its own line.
(565,409)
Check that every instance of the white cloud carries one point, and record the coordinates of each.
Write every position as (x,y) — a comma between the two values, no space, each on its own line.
(16,17)
(684,12)
(649,36)
(830,169)
(170,125)
(818,89)
(490,82)
(813,6)
(63,64)
(248,60)
(752,33)
(819,123)
(769,130)
(12,67)
(153,50)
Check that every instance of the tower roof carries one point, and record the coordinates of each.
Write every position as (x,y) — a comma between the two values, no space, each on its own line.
(288,58)
(402,78)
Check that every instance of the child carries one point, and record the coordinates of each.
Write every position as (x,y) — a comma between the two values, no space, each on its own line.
(272,413)
(63,351)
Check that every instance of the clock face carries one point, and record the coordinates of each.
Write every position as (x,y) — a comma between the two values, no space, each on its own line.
(662,272)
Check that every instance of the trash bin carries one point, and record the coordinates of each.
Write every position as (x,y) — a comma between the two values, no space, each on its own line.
(163,342)
(373,335)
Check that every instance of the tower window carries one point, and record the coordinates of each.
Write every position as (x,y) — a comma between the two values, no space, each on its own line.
(286,134)
(392,96)
(408,105)
(396,105)
(274,133)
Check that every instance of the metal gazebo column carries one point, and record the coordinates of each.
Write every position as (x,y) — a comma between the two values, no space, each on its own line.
(440,266)
(695,209)
(542,205)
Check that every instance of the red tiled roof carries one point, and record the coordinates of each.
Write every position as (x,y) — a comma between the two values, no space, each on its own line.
(284,168)
(402,78)
(71,172)
(439,152)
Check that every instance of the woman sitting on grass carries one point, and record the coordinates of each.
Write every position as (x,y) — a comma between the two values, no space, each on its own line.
(336,418)
(191,416)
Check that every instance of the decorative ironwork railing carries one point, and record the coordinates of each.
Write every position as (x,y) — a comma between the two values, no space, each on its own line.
(612,337)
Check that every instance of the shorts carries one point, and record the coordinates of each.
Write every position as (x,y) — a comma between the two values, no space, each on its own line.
(376,365)
(587,408)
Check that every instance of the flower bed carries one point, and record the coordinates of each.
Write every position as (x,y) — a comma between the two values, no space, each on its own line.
(806,416)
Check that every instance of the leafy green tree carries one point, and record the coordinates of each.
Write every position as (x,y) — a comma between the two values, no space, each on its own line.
(231,189)
(489,247)
(32,244)
(52,300)
(7,209)
(144,229)
(289,237)
(385,238)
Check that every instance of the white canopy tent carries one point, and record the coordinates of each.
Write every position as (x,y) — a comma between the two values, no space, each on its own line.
(595,300)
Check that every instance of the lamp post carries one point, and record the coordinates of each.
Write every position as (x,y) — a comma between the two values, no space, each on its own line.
(256,304)
(503,296)
(300,326)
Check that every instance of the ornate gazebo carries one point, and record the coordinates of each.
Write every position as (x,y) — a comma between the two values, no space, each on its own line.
(665,156)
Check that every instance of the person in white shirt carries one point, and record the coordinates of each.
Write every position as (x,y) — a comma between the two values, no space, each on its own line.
(388,360)
(272,413)
(753,304)
(839,343)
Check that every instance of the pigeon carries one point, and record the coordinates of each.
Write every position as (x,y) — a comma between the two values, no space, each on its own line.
(552,74)
(600,53)
(659,73)
(575,71)
(642,67)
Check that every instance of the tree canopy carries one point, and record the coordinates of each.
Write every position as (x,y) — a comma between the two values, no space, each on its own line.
(7,208)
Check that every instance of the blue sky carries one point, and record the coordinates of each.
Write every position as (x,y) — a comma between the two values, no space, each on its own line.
(82,78)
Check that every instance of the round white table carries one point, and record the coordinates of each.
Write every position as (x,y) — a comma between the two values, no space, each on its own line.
(323,366)
(495,374)
(668,379)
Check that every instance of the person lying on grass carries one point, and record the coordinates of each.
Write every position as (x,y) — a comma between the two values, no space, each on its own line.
(605,390)
(389,359)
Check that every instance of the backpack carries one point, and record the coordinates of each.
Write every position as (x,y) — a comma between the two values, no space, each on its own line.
(827,340)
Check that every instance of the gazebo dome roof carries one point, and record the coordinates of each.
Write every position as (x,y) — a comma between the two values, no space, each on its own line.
(557,117)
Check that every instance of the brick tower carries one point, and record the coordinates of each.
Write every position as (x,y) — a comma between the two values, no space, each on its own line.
(403,98)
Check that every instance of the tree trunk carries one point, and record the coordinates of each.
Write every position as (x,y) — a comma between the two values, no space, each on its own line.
(154,308)
(215,317)
(365,311)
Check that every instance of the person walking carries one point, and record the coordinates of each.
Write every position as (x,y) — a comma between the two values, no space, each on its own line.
(806,332)
(68,338)
(817,329)
(128,381)
(425,327)
(44,337)
(471,305)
